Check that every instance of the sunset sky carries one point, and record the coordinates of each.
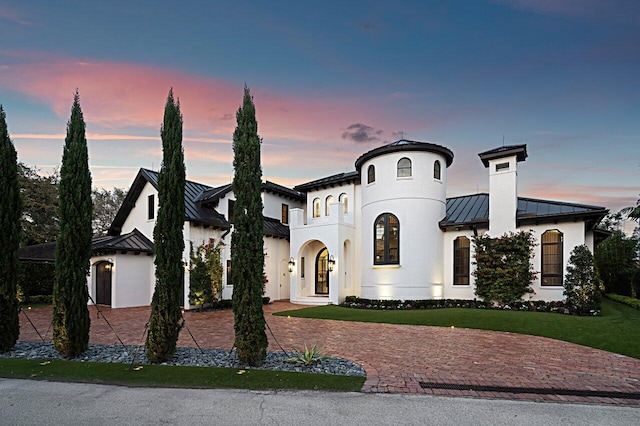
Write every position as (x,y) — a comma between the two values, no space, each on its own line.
(332,80)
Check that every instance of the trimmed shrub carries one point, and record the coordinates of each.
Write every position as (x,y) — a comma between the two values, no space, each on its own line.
(582,284)
(35,280)
(630,301)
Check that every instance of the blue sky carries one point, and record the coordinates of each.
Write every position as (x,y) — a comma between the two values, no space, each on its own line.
(332,80)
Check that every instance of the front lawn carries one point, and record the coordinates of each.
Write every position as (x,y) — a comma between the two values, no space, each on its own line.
(617,330)
(174,376)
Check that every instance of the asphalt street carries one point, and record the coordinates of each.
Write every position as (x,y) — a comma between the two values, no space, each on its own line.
(31,402)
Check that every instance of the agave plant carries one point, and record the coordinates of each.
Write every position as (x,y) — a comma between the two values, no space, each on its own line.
(308,357)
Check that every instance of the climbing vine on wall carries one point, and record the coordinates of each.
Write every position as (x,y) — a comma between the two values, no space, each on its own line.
(503,266)
(205,276)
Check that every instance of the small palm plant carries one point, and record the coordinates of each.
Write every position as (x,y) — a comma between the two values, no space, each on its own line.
(308,357)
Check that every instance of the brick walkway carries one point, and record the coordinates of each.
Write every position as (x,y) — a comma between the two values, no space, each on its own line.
(398,357)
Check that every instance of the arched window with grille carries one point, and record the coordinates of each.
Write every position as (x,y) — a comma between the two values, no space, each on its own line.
(461,258)
(404,167)
(327,205)
(386,240)
(316,207)
(552,267)
(371,174)
(437,170)
(344,200)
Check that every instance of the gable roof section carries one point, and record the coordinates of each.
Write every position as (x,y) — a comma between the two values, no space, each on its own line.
(470,210)
(330,181)
(194,212)
(213,195)
(135,241)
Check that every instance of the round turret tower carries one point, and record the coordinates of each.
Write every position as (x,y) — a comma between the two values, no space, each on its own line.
(403,187)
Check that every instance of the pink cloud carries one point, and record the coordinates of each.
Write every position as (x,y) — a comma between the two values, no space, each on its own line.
(116,95)
(12,15)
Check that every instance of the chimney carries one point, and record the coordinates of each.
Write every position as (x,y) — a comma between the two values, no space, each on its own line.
(503,186)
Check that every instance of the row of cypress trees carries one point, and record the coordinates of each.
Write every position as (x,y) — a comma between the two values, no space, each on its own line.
(71,322)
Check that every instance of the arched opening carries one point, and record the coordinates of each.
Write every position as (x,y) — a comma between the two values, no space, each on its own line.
(371,174)
(404,167)
(103,283)
(327,205)
(437,172)
(322,272)
(344,200)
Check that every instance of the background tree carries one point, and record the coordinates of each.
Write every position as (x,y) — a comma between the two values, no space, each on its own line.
(73,249)
(617,262)
(582,284)
(39,217)
(105,206)
(164,325)
(10,212)
(246,241)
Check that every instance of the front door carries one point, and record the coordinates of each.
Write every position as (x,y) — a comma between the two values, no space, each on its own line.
(103,283)
(322,272)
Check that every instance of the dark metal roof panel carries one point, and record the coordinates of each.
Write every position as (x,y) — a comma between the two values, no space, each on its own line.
(474,209)
(330,181)
(274,228)
(133,241)
(405,145)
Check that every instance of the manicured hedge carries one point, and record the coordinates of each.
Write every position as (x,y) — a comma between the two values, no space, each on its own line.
(35,282)
(634,303)
(533,305)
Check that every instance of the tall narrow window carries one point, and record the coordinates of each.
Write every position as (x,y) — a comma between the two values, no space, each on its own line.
(404,167)
(302,267)
(371,174)
(461,261)
(316,207)
(151,207)
(327,205)
(552,258)
(344,200)
(229,282)
(285,213)
(230,210)
(437,170)
(386,244)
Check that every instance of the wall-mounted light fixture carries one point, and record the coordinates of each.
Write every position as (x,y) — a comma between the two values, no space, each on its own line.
(109,265)
(292,263)
(331,264)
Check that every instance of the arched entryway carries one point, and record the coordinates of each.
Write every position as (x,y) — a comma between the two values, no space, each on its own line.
(322,272)
(103,283)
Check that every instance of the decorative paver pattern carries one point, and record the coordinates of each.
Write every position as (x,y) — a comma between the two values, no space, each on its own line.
(398,357)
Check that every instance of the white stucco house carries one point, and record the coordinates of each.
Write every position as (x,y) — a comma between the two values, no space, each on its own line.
(383,231)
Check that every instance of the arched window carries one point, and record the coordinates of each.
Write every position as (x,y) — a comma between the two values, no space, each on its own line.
(327,205)
(344,200)
(316,207)
(322,272)
(552,258)
(371,174)
(404,167)
(437,170)
(461,258)
(386,240)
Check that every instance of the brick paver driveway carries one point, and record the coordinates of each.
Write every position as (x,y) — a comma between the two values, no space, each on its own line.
(398,357)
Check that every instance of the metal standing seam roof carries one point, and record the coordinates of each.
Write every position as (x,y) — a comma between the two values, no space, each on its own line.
(474,209)
(134,241)
(274,228)
(330,181)
(405,145)
(213,195)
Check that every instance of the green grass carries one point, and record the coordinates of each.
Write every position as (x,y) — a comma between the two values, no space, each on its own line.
(617,330)
(174,377)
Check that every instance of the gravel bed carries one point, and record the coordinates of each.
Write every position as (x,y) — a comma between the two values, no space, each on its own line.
(186,357)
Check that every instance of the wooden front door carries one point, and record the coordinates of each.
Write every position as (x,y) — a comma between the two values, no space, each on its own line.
(103,283)
(322,272)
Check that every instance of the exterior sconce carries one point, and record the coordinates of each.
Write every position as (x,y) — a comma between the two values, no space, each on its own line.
(331,263)
(108,266)
(292,263)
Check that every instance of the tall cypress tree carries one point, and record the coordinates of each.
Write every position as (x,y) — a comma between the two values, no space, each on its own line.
(164,325)
(10,211)
(246,241)
(73,248)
